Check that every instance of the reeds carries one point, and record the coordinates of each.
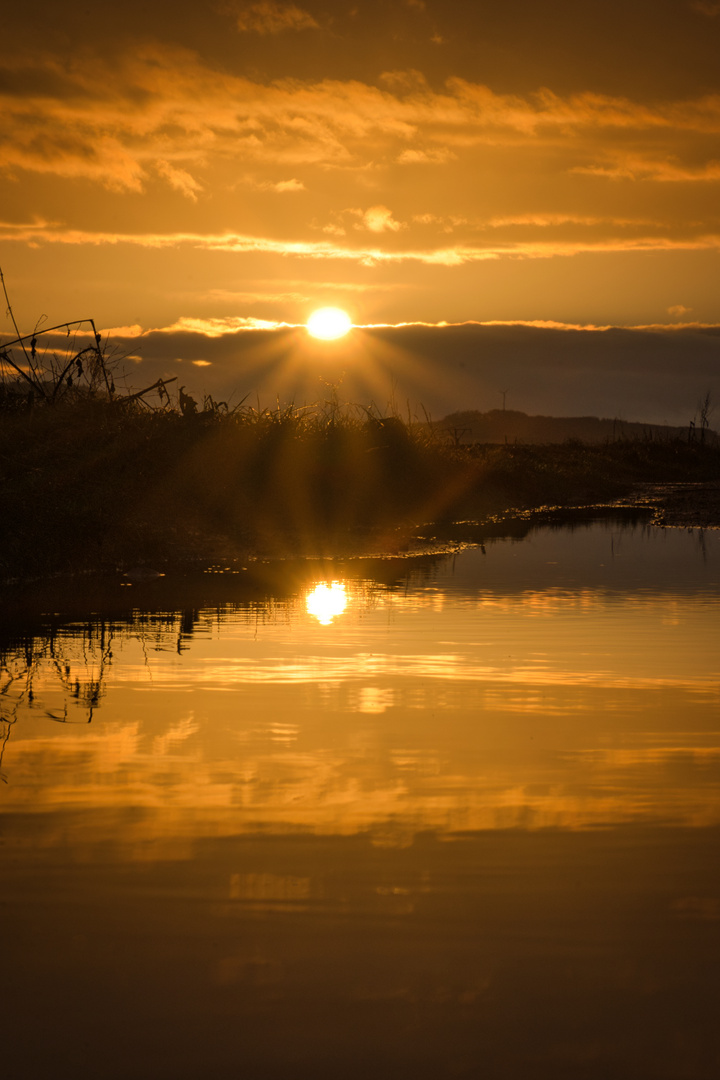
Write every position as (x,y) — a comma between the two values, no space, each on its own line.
(93,483)
(93,478)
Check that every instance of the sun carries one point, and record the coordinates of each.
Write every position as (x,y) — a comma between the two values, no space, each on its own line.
(329,323)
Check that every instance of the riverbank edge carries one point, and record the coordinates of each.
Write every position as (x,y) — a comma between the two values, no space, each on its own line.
(672,505)
(687,505)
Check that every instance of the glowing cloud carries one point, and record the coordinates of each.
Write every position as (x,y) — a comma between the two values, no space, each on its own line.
(270,17)
(379,219)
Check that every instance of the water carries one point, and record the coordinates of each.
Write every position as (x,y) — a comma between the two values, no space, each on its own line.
(438,817)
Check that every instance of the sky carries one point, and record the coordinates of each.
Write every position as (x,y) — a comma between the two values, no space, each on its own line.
(199,179)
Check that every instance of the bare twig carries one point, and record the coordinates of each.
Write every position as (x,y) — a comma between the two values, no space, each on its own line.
(20,341)
(155,385)
(34,379)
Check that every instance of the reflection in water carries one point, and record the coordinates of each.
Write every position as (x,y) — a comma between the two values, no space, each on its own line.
(486,802)
(325,602)
(439,701)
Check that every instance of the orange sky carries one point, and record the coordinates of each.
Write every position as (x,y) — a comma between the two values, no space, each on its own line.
(408,161)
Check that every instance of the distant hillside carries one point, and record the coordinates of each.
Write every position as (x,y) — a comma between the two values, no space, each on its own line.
(499,426)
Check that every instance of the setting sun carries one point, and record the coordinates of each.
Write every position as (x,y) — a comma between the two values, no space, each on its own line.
(329,323)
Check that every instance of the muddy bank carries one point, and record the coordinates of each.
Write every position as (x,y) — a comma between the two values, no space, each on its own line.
(689,506)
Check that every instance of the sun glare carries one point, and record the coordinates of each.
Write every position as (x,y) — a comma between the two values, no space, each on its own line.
(329,323)
(325,602)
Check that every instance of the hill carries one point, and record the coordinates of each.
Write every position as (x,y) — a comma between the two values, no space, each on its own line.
(508,425)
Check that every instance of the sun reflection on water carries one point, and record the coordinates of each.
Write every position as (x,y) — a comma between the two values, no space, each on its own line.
(325,602)
(446,697)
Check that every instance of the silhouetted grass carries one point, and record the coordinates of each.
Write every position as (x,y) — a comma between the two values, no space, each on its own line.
(96,484)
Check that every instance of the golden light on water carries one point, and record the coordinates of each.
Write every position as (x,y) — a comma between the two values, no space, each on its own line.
(325,602)
(329,323)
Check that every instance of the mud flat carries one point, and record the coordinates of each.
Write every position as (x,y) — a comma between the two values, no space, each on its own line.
(686,505)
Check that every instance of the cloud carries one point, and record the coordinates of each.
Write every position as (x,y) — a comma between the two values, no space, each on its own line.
(679,311)
(541,220)
(179,179)
(379,219)
(215,328)
(437,156)
(133,331)
(161,114)
(109,120)
(270,17)
(637,167)
(282,186)
(446,223)
(104,159)
(651,374)
(457,254)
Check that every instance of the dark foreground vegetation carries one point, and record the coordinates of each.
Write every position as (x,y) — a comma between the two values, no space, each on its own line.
(94,477)
(98,484)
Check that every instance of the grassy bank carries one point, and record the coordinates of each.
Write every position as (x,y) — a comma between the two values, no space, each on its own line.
(95,485)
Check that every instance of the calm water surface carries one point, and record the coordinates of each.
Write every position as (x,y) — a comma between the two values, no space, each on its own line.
(437,817)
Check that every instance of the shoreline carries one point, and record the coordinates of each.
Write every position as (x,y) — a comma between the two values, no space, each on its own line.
(685,505)
(97,490)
